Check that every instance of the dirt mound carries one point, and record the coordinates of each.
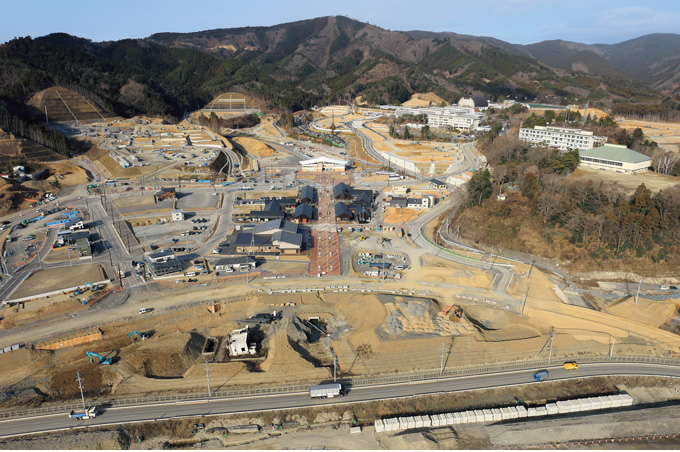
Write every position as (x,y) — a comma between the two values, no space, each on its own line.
(168,356)
(424,100)
(101,440)
(487,318)
(416,317)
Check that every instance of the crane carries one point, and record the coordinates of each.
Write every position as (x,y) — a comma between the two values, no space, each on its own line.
(141,335)
(457,310)
(103,361)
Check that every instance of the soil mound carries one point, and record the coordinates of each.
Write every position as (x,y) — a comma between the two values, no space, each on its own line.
(169,356)
(487,318)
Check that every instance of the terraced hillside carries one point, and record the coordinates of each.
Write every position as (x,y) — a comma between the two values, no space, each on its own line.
(64,105)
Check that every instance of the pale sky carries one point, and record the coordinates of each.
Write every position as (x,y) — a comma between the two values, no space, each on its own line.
(515,21)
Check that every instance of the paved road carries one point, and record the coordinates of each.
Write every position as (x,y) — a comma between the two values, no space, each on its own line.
(152,412)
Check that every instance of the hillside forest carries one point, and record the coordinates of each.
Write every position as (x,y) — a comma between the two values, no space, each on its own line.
(586,224)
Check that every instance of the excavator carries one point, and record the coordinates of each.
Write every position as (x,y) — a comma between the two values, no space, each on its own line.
(142,336)
(102,361)
(457,311)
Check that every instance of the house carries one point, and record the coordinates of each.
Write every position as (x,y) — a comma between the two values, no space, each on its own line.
(345,192)
(398,202)
(162,256)
(308,194)
(476,102)
(164,262)
(271,211)
(84,248)
(616,158)
(342,212)
(360,212)
(304,213)
(437,184)
(324,164)
(232,264)
(238,343)
(275,236)
(67,237)
(342,191)
(177,215)
(164,193)
(74,224)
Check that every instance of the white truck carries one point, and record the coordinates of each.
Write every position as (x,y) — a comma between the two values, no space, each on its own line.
(326,391)
(81,415)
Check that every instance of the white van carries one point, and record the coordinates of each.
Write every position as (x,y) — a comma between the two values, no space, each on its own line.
(190,274)
(399,267)
(144,310)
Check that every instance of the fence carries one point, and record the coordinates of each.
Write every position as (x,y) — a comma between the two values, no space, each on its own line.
(353,382)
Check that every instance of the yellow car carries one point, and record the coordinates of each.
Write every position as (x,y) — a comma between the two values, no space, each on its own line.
(571,366)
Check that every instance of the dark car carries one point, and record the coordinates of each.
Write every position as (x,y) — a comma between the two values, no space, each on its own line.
(673,288)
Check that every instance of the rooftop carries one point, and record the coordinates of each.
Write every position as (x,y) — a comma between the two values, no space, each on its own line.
(615,152)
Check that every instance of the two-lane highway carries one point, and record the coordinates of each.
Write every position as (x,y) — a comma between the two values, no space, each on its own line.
(207,407)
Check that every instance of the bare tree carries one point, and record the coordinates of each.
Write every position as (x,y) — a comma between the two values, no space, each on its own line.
(549,205)
(664,161)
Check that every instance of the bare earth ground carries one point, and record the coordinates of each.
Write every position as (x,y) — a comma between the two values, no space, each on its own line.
(628,182)
(424,100)
(255,147)
(666,134)
(59,278)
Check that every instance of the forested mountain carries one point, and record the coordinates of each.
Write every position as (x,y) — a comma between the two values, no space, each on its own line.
(299,64)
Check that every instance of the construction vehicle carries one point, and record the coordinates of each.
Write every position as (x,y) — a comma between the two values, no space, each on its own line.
(400,232)
(142,336)
(571,365)
(457,311)
(102,361)
(81,415)
(541,375)
(363,237)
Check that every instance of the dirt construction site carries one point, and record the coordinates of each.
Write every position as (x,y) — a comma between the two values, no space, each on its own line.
(372,333)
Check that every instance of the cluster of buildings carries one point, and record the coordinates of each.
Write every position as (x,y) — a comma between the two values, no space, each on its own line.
(274,236)
(594,152)
(299,210)
(465,116)
(352,204)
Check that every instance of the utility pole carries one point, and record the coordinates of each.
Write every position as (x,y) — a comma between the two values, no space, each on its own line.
(79,379)
(638,291)
(207,374)
(335,364)
(441,367)
(611,350)
(552,336)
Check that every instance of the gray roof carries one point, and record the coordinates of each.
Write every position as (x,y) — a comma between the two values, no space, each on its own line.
(235,260)
(398,201)
(437,182)
(247,239)
(307,193)
(616,153)
(274,225)
(480,101)
(72,222)
(273,215)
(304,210)
(363,196)
(288,237)
(161,253)
(342,209)
(342,189)
(83,243)
(272,206)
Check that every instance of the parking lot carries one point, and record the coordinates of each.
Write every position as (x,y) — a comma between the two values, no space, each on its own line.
(379,264)
(181,236)
(190,201)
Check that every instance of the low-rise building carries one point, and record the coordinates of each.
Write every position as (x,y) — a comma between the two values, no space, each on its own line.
(320,164)
(437,184)
(308,194)
(275,236)
(165,193)
(304,213)
(164,262)
(238,343)
(162,256)
(616,158)
(478,103)
(74,224)
(232,264)
(560,137)
(177,215)
(84,248)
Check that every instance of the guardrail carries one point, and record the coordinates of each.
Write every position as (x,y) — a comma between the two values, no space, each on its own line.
(358,381)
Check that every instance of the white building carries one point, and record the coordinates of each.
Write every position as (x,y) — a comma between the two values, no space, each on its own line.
(238,343)
(177,215)
(324,164)
(615,157)
(476,102)
(560,137)
(463,118)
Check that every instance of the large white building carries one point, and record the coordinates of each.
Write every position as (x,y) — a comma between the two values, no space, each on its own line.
(324,164)
(615,157)
(560,137)
(457,117)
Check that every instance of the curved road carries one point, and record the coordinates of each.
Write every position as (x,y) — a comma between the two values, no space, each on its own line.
(206,407)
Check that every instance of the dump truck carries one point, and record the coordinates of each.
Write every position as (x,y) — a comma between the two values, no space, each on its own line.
(400,232)
(80,415)
(541,375)
(326,391)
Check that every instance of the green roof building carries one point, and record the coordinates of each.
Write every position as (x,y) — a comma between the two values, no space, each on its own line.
(615,157)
